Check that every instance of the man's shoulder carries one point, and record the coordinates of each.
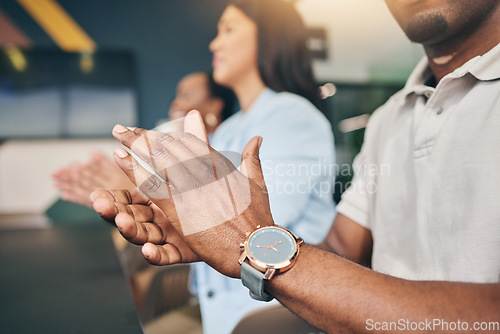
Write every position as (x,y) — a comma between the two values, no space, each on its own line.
(388,109)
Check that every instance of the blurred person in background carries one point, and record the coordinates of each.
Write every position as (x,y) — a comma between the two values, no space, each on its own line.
(199,91)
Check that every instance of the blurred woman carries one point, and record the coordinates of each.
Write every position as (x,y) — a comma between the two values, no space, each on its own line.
(260,53)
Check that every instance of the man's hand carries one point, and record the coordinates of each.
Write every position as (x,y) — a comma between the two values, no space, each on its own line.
(203,197)
(141,222)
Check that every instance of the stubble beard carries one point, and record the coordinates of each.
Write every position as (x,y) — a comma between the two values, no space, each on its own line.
(426,28)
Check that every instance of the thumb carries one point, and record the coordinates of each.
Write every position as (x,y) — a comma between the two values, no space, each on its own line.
(250,162)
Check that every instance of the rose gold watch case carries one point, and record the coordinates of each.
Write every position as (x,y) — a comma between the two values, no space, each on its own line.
(270,268)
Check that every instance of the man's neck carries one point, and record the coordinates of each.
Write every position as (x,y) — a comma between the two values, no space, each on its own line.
(447,56)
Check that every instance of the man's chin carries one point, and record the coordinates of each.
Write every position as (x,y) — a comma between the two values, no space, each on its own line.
(426,28)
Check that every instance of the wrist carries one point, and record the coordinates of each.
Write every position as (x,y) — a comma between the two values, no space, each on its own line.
(223,251)
(279,285)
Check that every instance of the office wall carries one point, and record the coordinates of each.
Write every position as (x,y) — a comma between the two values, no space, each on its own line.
(169,39)
(365,44)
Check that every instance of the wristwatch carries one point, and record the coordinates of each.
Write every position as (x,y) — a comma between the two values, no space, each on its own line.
(270,250)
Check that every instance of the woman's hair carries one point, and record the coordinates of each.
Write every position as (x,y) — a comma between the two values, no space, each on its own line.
(284,60)
(225,94)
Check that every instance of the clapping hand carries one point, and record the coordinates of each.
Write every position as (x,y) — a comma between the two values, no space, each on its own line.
(198,206)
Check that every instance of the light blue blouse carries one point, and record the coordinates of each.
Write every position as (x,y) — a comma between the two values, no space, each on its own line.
(297,157)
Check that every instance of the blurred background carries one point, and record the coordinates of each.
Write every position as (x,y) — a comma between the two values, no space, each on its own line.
(70,70)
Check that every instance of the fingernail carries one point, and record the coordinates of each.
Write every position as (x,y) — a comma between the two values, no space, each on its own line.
(121,153)
(93,196)
(119,128)
(260,142)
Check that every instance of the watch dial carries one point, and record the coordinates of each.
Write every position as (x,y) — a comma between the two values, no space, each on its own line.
(272,245)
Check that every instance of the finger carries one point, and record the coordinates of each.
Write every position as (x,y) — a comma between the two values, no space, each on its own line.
(204,162)
(78,178)
(138,140)
(108,202)
(170,159)
(139,231)
(193,123)
(107,167)
(95,173)
(133,221)
(195,156)
(146,146)
(164,195)
(60,173)
(99,158)
(126,196)
(144,143)
(161,255)
(168,150)
(63,184)
(107,208)
(147,183)
(250,162)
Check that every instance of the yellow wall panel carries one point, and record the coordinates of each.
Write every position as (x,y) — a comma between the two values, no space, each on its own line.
(59,25)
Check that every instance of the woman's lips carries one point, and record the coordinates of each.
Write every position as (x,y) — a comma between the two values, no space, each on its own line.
(216,60)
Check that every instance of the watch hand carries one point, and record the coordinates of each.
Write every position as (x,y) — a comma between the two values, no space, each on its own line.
(275,244)
(272,247)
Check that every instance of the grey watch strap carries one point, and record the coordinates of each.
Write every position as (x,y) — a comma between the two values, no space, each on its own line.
(254,281)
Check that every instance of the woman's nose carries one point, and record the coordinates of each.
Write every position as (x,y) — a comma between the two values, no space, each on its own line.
(214,44)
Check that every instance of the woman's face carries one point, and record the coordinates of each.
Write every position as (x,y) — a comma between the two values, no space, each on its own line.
(234,48)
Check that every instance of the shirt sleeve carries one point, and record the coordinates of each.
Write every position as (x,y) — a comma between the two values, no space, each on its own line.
(354,201)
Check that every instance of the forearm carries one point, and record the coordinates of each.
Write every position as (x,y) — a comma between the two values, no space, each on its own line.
(349,240)
(324,245)
(341,295)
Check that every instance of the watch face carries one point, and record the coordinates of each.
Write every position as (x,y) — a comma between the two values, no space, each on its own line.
(272,245)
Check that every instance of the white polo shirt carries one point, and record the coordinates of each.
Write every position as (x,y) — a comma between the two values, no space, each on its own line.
(427,181)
